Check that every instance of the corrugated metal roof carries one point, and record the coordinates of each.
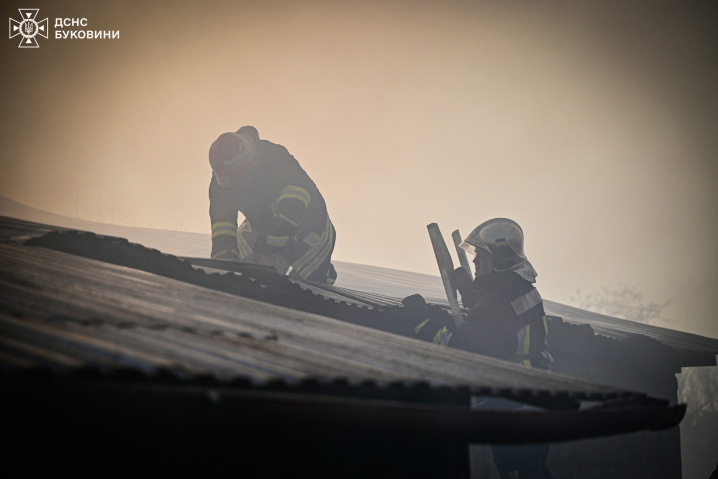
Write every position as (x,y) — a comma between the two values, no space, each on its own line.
(133,331)
(398,284)
(179,243)
(375,285)
(64,311)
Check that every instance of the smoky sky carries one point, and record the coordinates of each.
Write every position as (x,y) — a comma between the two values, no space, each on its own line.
(593,124)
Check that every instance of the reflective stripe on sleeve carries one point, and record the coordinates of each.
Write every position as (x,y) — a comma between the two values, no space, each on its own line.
(545,324)
(296,192)
(438,335)
(418,327)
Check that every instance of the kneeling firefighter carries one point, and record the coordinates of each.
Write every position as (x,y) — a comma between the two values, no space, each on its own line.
(286,221)
(506,321)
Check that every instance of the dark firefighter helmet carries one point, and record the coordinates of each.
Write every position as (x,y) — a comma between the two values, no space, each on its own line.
(502,238)
(232,156)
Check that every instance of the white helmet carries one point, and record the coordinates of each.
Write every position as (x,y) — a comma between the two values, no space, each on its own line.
(502,238)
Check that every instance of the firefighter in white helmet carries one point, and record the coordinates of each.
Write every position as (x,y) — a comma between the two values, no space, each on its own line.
(507,318)
(506,321)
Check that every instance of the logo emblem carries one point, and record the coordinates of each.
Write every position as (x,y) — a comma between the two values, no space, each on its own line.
(28,28)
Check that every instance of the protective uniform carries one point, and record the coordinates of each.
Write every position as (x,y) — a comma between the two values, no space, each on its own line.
(507,318)
(506,321)
(286,220)
(426,322)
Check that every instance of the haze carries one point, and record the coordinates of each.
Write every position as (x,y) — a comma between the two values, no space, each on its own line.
(592,124)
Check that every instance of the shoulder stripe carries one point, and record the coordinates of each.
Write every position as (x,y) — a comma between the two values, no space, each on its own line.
(526,302)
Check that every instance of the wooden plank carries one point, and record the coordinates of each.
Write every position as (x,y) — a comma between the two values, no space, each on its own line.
(446,266)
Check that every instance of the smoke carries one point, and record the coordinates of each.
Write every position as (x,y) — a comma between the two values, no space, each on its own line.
(590,123)
(622,301)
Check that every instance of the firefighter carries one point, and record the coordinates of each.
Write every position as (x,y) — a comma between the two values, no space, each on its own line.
(286,222)
(506,321)
(506,318)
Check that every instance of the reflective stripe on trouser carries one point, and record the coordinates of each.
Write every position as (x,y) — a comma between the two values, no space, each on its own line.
(418,327)
(320,249)
(442,337)
(245,238)
(331,275)
(224,228)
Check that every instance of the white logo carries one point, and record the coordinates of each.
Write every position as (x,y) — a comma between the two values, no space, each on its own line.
(28,28)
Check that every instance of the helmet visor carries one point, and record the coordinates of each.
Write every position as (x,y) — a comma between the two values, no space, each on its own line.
(471,249)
